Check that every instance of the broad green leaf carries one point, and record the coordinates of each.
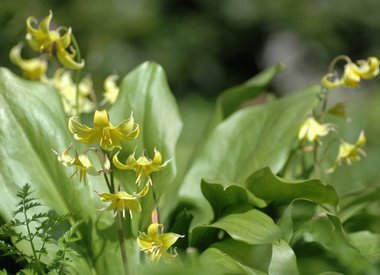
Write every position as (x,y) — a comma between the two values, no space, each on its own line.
(294,216)
(256,257)
(283,260)
(266,185)
(286,223)
(250,139)
(193,138)
(225,264)
(328,231)
(146,93)
(222,196)
(230,100)
(32,123)
(368,244)
(354,203)
(192,265)
(251,227)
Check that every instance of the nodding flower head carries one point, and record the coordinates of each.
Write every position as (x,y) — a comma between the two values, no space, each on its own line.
(103,132)
(42,39)
(352,73)
(81,162)
(33,69)
(350,152)
(122,201)
(143,166)
(156,244)
(312,130)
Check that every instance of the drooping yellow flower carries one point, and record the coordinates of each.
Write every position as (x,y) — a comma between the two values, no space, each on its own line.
(122,201)
(103,132)
(33,69)
(43,39)
(143,166)
(156,244)
(81,163)
(349,152)
(350,77)
(312,130)
(353,72)
(367,69)
(62,81)
(330,81)
(111,90)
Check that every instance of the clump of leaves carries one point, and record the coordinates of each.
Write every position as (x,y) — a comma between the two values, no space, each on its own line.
(33,235)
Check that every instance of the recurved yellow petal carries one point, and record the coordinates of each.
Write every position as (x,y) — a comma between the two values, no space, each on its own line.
(128,165)
(67,59)
(126,130)
(330,81)
(121,201)
(33,69)
(312,130)
(350,152)
(367,69)
(83,133)
(155,244)
(350,77)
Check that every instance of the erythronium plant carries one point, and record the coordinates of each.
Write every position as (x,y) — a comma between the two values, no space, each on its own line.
(243,195)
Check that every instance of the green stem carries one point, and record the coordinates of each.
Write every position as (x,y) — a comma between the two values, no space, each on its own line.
(336,59)
(39,267)
(61,264)
(119,217)
(156,204)
(324,105)
(316,159)
(120,233)
(78,72)
(112,182)
(325,94)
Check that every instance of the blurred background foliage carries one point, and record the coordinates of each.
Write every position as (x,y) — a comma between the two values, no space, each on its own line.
(206,46)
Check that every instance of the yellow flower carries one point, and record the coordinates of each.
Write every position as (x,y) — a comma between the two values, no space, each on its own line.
(103,132)
(43,39)
(122,201)
(67,89)
(350,152)
(143,166)
(155,244)
(353,72)
(367,69)
(330,81)
(81,163)
(312,130)
(33,69)
(350,77)
(111,89)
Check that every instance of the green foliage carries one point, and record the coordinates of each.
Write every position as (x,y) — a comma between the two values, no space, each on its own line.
(236,213)
(268,186)
(38,231)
